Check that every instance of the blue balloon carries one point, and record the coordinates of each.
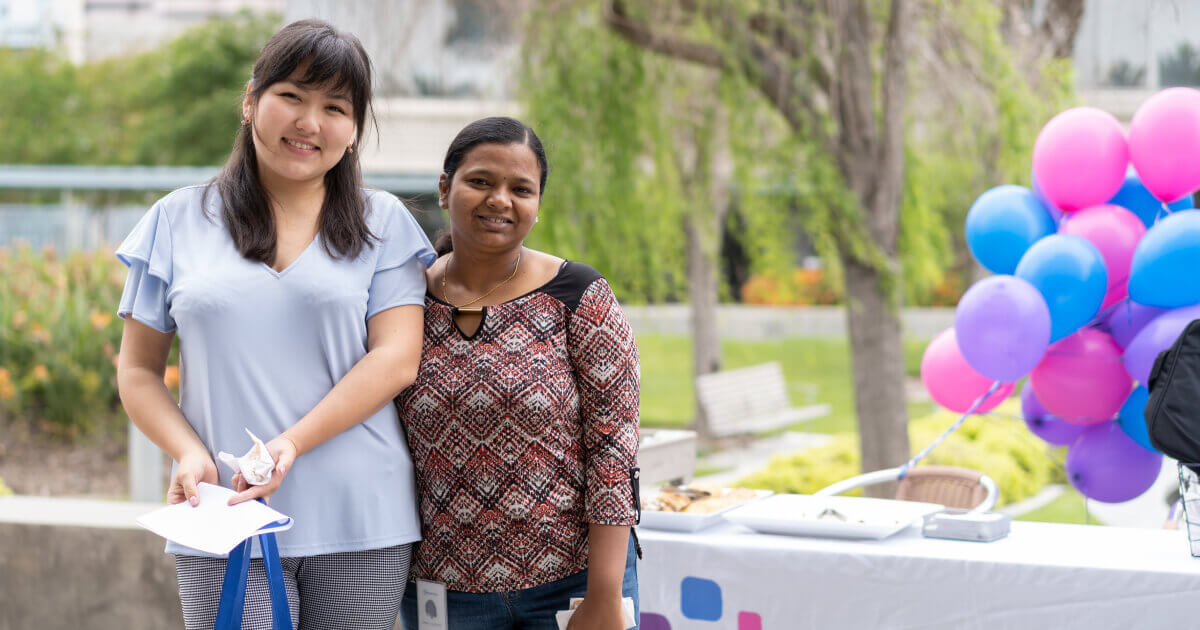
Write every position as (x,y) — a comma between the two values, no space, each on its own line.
(1131,418)
(1055,213)
(1002,224)
(1165,271)
(1069,272)
(1134,197)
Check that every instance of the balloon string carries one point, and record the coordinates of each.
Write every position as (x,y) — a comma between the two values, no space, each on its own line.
(954,427)
(1165,209)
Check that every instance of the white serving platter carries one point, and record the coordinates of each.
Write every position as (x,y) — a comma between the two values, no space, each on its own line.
(830,516)
(684,522)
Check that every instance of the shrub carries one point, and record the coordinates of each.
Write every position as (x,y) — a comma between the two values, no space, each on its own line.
(59,336)
(1000,446)
(802,287)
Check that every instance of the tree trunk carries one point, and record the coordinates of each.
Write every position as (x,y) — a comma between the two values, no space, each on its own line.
(871,158)
(702,289)
(878,366)
(703,229)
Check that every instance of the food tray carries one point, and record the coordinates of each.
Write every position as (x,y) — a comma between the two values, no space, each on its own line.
(685,522)
(809,515)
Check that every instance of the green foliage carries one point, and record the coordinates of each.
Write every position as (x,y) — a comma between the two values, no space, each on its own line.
(4,489)
(59,340)
(609,110)
(42,114)
(977,86)
(192,96)
(178,104)
(1000,447)
(632,138)
(612,197)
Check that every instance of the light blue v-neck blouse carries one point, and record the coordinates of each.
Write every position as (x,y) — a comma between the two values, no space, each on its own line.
(259,349)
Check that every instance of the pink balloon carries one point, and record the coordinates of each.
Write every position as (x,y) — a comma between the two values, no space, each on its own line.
(952,382)
(1114,231)
(1080,158)
(1164,142)
(1082,379)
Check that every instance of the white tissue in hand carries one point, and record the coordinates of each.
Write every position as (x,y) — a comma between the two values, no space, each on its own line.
(255,466)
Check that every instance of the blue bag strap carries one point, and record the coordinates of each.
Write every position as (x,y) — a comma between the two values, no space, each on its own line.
(233,590)
(280,613)
(237,573)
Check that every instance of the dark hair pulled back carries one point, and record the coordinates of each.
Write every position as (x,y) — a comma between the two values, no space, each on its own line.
(335,61)
(493,130)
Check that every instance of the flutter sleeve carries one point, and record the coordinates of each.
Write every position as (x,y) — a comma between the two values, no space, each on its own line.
(147,251)
(604,354)
(404,254)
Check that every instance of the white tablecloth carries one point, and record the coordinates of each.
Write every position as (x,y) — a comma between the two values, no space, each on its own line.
(1041,576)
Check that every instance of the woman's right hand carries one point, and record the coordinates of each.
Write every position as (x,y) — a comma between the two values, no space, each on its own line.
(192,469)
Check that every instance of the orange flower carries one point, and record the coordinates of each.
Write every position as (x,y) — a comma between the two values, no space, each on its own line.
(100,320)
(39,333)
(7,391)
(40,373)
(19,319)
(171,376)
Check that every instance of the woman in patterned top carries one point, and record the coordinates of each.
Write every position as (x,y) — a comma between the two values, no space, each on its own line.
(523,420)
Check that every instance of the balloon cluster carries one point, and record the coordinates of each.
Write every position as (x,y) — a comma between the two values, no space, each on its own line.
(1097,271)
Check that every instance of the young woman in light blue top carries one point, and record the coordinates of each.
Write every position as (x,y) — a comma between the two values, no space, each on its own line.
(297,299)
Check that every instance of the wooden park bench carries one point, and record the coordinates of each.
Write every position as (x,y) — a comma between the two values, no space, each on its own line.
(750,400)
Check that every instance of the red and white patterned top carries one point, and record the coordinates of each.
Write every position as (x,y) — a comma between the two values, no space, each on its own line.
(522,434)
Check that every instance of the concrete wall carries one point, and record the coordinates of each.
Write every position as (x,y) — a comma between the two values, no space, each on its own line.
(767,323)
(82,564)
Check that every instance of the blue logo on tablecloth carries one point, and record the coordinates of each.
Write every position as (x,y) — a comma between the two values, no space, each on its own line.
(700,599)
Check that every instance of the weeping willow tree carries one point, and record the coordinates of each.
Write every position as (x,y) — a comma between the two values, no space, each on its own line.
(801,115)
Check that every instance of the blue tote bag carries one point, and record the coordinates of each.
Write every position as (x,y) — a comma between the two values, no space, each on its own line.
(233,590)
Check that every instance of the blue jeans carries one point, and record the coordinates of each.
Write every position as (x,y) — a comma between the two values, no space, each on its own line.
(527,609)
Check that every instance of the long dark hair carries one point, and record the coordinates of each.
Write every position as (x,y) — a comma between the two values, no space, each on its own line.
(336,60)
(494,130)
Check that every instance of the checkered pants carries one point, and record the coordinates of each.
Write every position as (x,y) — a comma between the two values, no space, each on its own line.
(358,589)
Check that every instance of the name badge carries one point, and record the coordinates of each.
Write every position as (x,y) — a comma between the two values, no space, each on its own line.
(431,606)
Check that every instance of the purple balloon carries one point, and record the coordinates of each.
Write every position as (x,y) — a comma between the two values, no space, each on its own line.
(1106,465)
(1157,335)
(1003,327)
(1043,424)
(1128,318)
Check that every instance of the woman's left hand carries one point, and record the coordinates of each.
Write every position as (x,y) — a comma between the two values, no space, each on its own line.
(283,451)
(598,613)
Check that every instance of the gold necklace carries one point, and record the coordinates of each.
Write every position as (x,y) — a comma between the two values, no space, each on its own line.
(466,306)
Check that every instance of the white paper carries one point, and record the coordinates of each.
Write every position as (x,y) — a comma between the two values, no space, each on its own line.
(214,526)
(256,465)
(564,616)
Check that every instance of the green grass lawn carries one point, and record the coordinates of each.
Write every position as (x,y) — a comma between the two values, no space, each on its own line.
(668,395)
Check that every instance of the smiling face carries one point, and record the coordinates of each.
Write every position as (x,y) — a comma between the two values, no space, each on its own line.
(300,131)
(493,197)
